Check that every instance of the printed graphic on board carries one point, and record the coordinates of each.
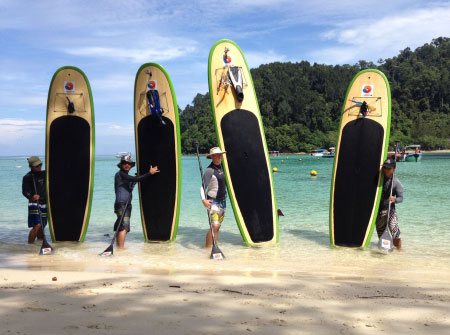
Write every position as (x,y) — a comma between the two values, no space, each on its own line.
(385,243)
(228,59)
(69,87)
(152,84)
(367,90)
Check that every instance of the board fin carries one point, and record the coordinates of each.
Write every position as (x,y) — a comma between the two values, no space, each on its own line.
(235,74)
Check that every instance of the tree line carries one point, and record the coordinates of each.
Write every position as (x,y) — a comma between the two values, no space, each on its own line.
(301,103)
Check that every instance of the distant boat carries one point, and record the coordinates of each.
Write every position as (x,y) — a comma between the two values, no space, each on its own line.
(318,152)
(274,153)
(412,153)
(122,153)
(329,153)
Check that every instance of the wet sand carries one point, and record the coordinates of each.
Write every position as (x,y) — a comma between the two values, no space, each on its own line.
(68,302)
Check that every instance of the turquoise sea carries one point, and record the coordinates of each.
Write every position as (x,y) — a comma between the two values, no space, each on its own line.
(303,249)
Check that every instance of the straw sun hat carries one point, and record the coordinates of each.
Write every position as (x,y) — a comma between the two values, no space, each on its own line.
(215,150)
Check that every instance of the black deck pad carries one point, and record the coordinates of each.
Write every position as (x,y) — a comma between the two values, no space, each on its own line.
(69,166)
(356,180)
(158,192)
(248,169)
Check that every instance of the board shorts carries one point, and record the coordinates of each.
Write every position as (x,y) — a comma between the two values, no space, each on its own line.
(217,211)
(118,209)
(33,214)
(393,223)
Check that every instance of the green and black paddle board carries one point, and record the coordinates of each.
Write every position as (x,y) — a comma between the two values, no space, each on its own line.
(70,150)
(240,133)
(361,149)
(157,143)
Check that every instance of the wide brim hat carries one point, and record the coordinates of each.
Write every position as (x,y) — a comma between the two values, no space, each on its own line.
(34,161)
(126,159)
(215,150)
(389,163)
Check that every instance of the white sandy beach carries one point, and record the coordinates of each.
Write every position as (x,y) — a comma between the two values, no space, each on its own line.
(32,302)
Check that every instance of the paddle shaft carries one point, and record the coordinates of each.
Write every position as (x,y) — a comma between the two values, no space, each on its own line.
(123,214)
(389,208)
(204,191)
(44,240)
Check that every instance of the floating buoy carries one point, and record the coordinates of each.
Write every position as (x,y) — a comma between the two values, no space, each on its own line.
(299,159)
(282,161)
(275,169)
(18,166)
(313,173)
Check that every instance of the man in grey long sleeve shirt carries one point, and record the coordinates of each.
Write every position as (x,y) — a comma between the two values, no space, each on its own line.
(123,188)
(386,198)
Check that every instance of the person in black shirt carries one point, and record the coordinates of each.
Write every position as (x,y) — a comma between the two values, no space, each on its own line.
(33,188)
(122,186)
(390,182)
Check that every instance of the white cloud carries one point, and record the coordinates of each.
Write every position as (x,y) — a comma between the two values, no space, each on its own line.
(15,130)
(114,129)
(371,40)
(254,59)
(135,55)
(113,82)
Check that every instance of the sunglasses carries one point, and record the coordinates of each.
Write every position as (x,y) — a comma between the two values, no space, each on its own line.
(40,165)
(127,163)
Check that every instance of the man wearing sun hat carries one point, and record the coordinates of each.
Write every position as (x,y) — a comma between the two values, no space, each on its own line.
(216,191)
(123,188)
(389,166)
(33,188)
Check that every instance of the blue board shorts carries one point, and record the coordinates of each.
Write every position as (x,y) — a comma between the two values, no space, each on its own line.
(33,214)
(217,211)
(118,209)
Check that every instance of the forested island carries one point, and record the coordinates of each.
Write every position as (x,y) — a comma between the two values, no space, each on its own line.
(301,103)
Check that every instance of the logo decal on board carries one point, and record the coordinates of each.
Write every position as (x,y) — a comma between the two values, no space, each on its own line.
(228,59)
(69,87)
(152,85)
(386,243)
(367,90)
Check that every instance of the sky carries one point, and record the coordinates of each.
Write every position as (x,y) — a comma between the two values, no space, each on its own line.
(110,40)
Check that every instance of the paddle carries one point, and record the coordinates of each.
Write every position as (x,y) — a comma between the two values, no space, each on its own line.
(110,250)
(385,243)
(215,251)
(46,248)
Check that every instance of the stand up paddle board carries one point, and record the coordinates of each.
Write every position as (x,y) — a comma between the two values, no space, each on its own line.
(240,133)
(69,158)
(157,134)
(361,149)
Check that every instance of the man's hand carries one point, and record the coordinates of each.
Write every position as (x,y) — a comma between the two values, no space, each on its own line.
(207,203)
(35,197)
(153,169)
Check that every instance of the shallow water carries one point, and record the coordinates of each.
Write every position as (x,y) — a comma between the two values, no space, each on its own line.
(304,248)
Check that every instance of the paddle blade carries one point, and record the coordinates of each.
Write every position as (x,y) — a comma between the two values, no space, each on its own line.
(109,251)
(46,249)
(216,253)
(280,213)
(385,242)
